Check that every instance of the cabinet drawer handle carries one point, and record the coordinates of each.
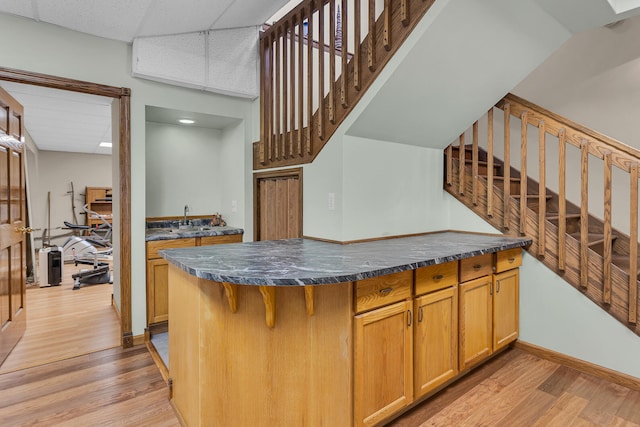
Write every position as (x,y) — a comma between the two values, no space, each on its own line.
(385,291)
(409,318)
(438,277)
(477,266)
(511,260)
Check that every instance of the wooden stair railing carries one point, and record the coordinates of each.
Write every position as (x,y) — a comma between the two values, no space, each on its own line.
(511,193)
(314,68)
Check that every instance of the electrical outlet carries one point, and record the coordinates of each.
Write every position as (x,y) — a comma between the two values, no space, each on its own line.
(332,201)
(234,206)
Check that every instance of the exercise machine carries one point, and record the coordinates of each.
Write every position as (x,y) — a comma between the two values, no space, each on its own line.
(97,240)
(100,273)
(93,249)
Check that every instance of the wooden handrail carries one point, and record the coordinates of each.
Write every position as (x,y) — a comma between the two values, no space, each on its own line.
(592,255)
(307,93)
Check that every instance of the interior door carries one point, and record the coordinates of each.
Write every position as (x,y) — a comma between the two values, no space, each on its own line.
(278,204)
(13,316)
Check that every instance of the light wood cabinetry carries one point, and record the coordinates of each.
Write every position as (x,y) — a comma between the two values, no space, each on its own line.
(505,308)
(435,340)
(489,308)
(98,199)
(383,362)
(475,321)
(157,271)
(363,354)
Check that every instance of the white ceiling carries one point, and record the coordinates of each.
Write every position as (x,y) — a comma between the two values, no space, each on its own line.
(126,19)
(59,120)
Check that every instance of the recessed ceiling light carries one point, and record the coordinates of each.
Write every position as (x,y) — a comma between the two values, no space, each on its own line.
(187,121)
(106,144)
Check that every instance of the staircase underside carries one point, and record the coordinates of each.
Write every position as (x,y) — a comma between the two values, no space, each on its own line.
(549,254)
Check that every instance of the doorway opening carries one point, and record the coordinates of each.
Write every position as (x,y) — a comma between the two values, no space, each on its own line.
(121,182)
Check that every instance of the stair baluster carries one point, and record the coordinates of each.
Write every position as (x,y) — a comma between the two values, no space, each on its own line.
(490,163)
(584,214)
(542,188)
(606,286)
(633,246)
(562,199)
(523,173)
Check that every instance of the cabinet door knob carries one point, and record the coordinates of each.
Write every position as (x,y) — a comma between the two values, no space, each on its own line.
(385,291)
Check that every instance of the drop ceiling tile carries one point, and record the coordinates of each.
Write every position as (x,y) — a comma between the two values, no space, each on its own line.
(173,17)
(242,15)
(114,19)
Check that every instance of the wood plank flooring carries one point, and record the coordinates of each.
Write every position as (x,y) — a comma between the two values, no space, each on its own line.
(113,387)
(63,323)
(520,389)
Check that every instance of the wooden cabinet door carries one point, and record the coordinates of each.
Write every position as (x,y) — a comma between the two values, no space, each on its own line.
(506,303)
(157,291)
(278,204)
(435,340)
(475,314)
(383,362)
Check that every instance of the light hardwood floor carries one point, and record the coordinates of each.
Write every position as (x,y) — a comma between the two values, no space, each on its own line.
(63,323)
(519,389)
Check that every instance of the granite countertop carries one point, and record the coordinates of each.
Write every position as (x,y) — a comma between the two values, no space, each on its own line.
(169,230)
(300,262)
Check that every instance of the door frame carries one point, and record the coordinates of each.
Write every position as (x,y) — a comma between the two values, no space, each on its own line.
(280,173)
(123,95)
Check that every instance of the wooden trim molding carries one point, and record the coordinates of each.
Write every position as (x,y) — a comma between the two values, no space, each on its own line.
(580,365)
(123,95)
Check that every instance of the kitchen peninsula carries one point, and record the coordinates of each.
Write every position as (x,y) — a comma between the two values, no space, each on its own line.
(305,332)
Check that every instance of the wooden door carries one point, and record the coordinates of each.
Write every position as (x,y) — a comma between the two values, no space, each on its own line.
(506,303)
(435,340)
(278,204)
(383,365)
(13,319)
(475,316)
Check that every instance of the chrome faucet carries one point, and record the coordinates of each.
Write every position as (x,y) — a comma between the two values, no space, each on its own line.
(186,211)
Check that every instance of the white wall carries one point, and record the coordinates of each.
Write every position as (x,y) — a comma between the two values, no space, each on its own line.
(232,181)
(385,192)
(54,173)
(183,168)
(40,47)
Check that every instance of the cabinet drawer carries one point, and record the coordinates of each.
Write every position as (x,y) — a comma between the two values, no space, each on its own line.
(217,240)
(506,260)
(155,246)
(379,291)
(478,266)
(435,277)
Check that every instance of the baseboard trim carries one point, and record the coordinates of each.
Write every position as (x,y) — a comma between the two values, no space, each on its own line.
(581,365)
(138,340)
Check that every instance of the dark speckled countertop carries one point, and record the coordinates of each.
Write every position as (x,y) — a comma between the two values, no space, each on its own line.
(169,230)
(299,262)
